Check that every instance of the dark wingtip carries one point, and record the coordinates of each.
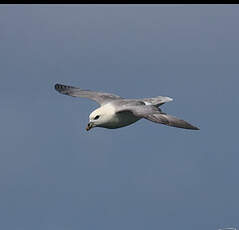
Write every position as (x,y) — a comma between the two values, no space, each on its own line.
(57,86)
(189,126)
(60,88)
(195,128)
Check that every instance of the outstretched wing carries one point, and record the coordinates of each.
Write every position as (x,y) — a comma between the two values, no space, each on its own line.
(154,114)
(169,120)
(99,97)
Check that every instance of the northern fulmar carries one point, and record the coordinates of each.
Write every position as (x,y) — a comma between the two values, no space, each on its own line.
(116,112)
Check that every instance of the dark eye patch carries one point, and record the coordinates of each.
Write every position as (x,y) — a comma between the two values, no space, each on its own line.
(96,117)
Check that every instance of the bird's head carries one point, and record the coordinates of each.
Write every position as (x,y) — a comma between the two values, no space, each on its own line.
(99,117)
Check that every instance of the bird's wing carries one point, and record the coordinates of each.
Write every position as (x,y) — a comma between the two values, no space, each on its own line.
(99,97)
(170,120)
(154,114)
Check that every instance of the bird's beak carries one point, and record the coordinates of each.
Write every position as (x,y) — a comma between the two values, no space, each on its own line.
(89,126)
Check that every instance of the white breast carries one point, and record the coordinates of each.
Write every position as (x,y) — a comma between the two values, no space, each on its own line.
(111,120)
(118,120)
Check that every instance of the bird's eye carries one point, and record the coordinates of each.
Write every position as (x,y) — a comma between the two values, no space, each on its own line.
(96,117)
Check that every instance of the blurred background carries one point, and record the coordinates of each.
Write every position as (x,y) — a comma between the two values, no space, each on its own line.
(54,175)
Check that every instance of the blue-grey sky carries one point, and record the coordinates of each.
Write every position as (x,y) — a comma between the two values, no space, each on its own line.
(56,176)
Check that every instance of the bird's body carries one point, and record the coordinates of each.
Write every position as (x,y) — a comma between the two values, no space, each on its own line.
(113,120)
(116,112)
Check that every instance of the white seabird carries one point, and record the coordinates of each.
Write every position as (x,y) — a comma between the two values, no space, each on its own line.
(116,112)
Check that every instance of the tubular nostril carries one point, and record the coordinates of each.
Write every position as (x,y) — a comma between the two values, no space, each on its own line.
(89,126)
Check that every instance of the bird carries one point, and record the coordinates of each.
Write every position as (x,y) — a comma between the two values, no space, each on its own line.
(116,112)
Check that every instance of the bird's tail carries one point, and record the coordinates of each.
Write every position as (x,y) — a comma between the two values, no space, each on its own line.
(157,101)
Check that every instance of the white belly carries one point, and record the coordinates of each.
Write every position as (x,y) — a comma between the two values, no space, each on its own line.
(121,120)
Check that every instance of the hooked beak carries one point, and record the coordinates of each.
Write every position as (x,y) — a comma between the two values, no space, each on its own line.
(89,126)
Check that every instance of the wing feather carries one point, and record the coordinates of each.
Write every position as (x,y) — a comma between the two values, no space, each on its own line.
(99,97)
(154,114)
(170,120)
